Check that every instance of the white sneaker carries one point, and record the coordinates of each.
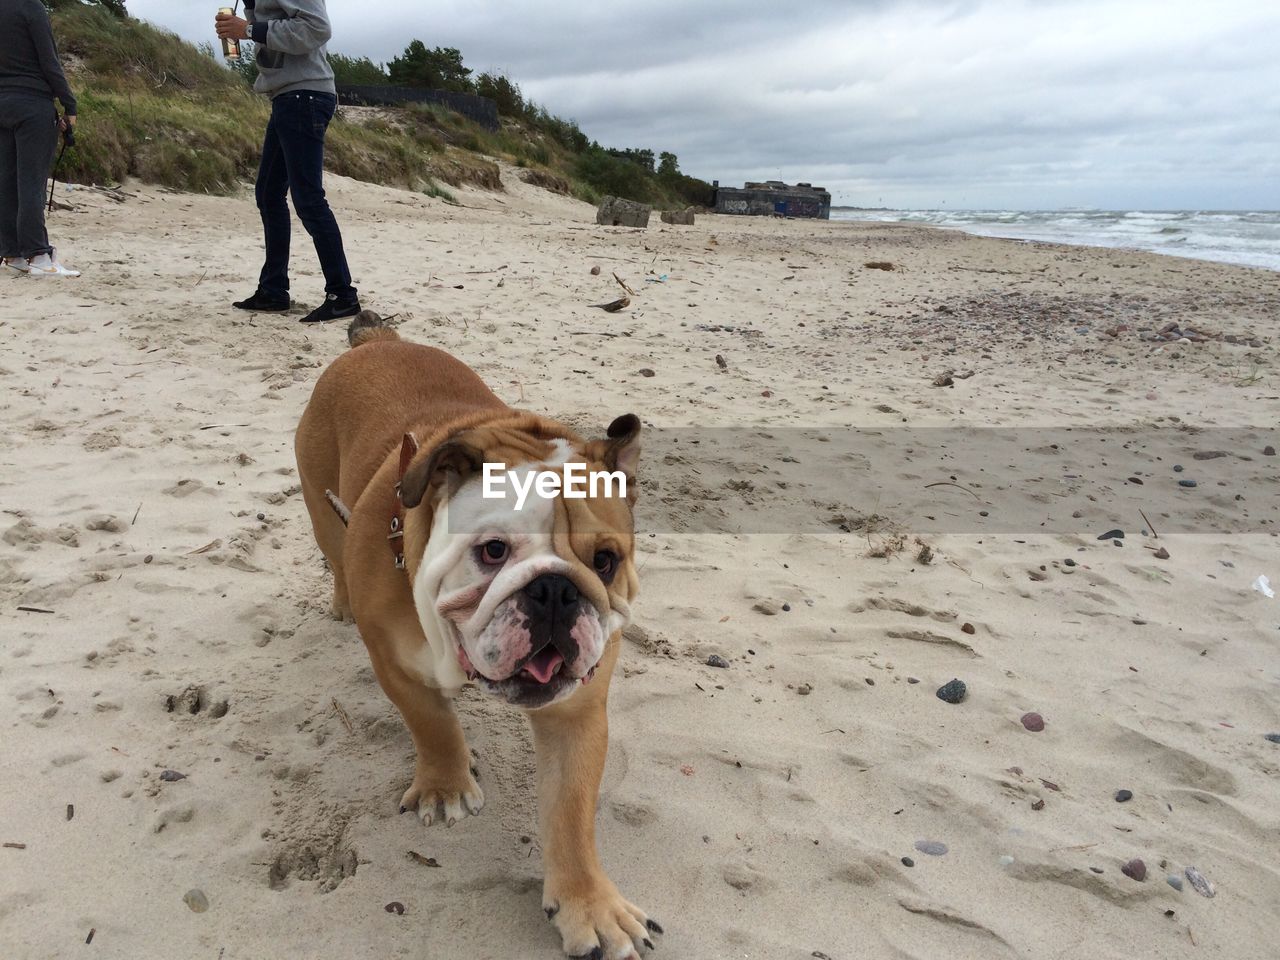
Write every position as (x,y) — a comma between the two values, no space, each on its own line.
(18,264)
(47,265)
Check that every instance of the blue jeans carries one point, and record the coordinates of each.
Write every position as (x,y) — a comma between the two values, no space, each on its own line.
(293,162)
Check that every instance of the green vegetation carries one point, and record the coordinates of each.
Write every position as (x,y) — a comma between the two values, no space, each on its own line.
(158,108)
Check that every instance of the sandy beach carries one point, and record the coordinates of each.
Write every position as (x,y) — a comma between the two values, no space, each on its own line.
(163,606)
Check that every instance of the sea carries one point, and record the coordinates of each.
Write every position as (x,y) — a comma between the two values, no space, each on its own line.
(1247,238)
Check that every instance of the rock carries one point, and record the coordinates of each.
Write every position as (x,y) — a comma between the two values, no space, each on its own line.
(1033,722)
(1187,483)
(1178,468)
(1209,454)
(945,379)
(1037,805)
(679,217)
(646,372)
(1200,883)
(595,271)
(1268,451)
(1112,535)
(396,907)
(1273,737)
(196,900)
(953,692)
(969,629)
(1124,796)
(721,362)
(1162,554)
(1069,562)
(715,660)
(932,848)
(172,776)
(786,608)
(917,680)
(1135,870)
(616,212)
(908,862)
(106,522)
(1174,881)
(804,689)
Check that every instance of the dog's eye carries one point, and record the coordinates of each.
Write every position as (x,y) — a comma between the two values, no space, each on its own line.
(606,564)
(494,552)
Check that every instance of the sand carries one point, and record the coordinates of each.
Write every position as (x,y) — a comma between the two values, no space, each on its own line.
(152,521)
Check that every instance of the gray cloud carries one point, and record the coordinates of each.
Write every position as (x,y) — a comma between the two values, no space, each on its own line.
(971,103)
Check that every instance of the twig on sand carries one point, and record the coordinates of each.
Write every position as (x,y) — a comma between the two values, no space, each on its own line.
(1151,525)
(135,515)
(15,846)
(201,280)
(215,426)
(948,483)
(416,857)
(34,610)
(342,715)
(592,333)
(622,283)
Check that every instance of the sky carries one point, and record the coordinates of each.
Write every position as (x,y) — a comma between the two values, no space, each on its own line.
(950,104)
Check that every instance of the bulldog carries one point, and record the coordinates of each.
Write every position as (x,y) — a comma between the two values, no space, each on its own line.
(449,584)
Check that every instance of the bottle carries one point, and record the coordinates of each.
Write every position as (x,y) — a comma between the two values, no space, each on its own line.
(230,48)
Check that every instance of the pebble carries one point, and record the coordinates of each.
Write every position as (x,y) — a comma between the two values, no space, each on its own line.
(1124,796)
(196,900)
(1200,883)
(933,848)
(1069,562)
(396,907)
(917,680)
(804,689)
(969,629)
(1273,737)
(953,692)
(1187,483)
(1112,535)
(172,776)
(1174,881)
(1162,554)
(1177,468)
(1135,870)
(715,660)
(908,862)
(1268,451)
(786,608)
(1033,722)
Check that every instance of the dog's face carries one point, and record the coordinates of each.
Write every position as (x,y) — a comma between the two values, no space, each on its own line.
(527,592)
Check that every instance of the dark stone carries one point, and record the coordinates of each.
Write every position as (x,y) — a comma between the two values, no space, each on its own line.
(396,907)
(786,608)
(1273,737)
(1177,468)
(1187,483)
(908,862)
(1069,562)
(172,776)
(1033,722)
(969,629)
(1162,554)
(1124,796)
(1135,480)
(1112,535)
(1268,451)
(1135,870)
(953,692)
(917,680)
(715,660)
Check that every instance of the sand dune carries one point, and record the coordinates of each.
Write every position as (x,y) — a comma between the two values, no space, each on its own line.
(177,620)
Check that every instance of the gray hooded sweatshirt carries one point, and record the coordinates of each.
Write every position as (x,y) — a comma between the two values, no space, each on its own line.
(290,36)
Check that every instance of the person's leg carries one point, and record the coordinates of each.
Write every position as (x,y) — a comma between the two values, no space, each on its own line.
(270,192)
(303,140)
(9,248)
(35,140)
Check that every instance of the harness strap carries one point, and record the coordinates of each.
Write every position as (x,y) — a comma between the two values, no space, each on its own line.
(395,539)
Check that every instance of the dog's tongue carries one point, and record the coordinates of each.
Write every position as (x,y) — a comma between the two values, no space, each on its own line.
(544,664)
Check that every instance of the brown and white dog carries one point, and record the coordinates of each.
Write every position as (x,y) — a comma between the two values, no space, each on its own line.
(448,585)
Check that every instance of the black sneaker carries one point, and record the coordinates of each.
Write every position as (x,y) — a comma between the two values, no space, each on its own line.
(260,303)
(332,309)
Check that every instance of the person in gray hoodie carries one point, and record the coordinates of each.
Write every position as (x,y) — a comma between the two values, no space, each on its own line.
(294,71)
(31,78)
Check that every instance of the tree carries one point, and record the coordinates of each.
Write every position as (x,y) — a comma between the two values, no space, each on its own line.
(357,71)
(438,69)
(503,91)
(668,166)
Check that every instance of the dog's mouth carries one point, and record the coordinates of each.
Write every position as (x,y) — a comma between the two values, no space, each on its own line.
(541,679)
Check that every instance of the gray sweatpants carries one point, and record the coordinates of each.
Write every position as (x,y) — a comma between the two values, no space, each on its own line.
(28,138)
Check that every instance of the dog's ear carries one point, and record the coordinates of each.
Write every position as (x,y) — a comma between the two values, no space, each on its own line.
(451,462)
(621,451)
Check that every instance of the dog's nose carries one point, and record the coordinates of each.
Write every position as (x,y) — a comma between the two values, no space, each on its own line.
(551,594)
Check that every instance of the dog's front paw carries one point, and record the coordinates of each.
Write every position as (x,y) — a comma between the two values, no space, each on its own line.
(447,798)
(596,922)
